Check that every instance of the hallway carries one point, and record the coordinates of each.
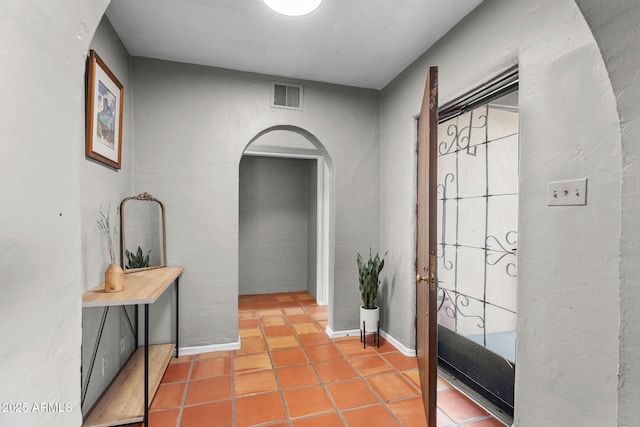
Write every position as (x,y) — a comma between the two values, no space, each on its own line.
(289,373)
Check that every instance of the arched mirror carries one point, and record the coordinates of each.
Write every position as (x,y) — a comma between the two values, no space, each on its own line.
(142,233)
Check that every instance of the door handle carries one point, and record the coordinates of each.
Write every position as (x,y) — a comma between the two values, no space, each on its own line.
(419,279)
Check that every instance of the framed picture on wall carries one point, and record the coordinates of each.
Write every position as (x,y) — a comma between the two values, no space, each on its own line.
(105,95)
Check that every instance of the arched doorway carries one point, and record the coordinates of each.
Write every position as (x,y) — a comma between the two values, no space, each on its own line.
(285,195)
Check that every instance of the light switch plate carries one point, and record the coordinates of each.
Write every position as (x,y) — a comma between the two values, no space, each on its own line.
(568,193)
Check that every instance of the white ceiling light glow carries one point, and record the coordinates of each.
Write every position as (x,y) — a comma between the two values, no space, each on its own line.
(293,7)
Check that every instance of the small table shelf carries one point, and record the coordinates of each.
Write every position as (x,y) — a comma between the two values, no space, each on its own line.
(141,287)
(127,399)
(123,402)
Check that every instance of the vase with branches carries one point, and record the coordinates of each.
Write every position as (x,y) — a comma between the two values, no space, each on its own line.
(114,276)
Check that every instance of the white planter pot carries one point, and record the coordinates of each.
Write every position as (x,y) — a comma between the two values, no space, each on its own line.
(370,319)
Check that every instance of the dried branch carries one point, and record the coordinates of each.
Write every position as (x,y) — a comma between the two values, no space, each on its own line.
(104,223)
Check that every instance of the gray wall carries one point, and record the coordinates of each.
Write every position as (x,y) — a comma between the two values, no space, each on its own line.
(43,52)
(567,327)
(192,125)
(274,224)
(101,186)
(615,27)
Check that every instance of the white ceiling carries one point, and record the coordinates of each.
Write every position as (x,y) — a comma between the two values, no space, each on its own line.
(362,43)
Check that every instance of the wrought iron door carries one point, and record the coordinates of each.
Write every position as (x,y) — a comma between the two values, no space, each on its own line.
(477,246)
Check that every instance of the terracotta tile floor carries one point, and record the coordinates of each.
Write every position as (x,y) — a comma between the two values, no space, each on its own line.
(289,373)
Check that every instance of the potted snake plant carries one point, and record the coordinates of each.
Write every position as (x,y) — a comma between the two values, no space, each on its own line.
(368,278)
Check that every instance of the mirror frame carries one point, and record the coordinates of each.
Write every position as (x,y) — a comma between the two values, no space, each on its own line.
(147,198)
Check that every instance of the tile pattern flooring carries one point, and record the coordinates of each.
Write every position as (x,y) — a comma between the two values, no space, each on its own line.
(289,373)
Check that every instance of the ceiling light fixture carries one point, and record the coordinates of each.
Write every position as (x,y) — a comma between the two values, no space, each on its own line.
(293,7)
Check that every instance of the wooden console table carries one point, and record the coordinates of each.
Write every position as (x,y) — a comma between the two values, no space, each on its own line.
(127,399)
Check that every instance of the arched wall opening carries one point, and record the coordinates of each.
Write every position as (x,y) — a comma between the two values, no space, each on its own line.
(615,31)
(285,172)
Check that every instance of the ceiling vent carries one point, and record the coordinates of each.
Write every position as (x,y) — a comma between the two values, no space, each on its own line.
(286,96)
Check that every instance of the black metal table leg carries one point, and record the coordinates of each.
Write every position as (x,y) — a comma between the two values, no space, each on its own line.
(364,334)
(177,315)
(135,322)
(146,365)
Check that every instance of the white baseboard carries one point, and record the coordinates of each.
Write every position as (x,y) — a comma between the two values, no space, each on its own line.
(339,334)
(199,349)
(410,352)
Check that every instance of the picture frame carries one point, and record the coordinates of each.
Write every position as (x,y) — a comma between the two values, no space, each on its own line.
(105,96)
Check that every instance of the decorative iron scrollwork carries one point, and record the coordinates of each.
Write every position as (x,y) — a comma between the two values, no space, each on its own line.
(469,132)
(510,239)
(458,302)
(461,136)
(448,179)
